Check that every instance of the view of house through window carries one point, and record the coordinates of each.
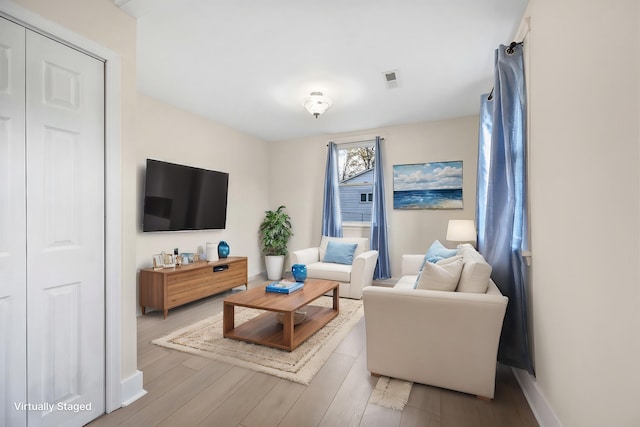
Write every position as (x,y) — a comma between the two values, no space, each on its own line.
(355,172)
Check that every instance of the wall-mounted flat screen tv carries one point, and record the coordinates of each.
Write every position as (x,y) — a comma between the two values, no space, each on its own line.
(179,197)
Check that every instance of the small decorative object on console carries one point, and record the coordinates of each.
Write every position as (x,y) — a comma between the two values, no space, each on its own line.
(299,272)
(168,261)
(211,252)
(284,287)
(188,258)
(223,249)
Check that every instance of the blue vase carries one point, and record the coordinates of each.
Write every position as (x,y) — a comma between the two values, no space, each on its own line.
(223,249)
(299,272)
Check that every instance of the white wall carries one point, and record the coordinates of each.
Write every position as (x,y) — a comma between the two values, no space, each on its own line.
(169,134)
(585,192)
(297,181)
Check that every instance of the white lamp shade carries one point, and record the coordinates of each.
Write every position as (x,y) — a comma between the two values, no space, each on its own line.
(317,103)
(461,230)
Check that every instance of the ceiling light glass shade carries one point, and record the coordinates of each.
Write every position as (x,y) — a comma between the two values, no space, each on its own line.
(317,103)
(461,230)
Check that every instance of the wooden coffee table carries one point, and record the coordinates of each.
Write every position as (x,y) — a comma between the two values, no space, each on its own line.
(265,329)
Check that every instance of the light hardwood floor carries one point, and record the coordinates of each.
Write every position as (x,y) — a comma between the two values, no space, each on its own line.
(189,390)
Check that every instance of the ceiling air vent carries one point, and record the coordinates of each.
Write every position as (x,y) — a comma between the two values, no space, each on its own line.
(391,78)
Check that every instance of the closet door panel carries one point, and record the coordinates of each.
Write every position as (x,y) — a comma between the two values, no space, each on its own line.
(12,226)
(65,237)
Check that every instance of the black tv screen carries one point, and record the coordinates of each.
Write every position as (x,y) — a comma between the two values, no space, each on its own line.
(179,197)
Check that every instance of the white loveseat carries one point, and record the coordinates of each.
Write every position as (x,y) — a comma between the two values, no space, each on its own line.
(352,278)
(439,338)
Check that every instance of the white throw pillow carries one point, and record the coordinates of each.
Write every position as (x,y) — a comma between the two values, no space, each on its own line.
(476,272)
(475,277)
(442,276)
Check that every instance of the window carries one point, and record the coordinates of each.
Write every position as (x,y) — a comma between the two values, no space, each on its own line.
(356,163)
(366,198)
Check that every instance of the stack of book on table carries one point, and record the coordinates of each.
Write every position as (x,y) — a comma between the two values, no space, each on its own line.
(284,287)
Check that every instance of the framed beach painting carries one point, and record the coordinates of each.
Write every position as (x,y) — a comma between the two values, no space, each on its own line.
(435,185)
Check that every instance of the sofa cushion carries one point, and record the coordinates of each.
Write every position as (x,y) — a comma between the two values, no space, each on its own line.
(329,271)
(406,282)
(340,252)
(441,277)
(437,251)
(476,272)
(362,242)
(441,262)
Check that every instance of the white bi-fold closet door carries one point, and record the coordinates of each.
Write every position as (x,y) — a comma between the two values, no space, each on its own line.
(52,349)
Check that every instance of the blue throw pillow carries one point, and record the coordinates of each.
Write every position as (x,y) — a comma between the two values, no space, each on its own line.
(415,285)
(340,252)
(437,252)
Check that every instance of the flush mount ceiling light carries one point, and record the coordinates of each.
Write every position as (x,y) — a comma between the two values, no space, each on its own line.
(317,103)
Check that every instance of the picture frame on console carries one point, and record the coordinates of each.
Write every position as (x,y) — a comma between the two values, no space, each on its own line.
(158,261)
(169,261)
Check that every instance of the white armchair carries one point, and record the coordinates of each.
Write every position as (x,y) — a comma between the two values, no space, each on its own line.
(352,278)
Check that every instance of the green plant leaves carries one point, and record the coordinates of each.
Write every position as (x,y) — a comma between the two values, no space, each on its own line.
(275,231)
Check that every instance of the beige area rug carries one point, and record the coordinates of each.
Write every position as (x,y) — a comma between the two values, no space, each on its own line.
(391,393)
(205,338)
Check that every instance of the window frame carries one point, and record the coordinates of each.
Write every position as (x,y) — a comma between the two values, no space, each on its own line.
(344,146)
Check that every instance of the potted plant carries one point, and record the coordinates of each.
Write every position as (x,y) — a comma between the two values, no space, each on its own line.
(275,231)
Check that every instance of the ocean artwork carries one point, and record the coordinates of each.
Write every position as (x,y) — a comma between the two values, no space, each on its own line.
(436,185)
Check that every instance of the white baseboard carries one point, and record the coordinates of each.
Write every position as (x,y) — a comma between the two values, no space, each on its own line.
(541,409)
(132,389)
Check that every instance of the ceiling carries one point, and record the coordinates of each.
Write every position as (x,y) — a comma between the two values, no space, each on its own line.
(249,64)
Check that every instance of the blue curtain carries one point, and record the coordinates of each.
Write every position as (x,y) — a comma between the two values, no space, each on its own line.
(331,217)
(502,210)
(379,218)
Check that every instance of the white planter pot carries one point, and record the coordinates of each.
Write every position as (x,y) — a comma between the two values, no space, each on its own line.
(275,265)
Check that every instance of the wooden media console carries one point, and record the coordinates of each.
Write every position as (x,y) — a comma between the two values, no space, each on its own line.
(172,287)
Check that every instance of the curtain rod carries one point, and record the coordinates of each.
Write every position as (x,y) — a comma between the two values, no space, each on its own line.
(355,142)
(524,28)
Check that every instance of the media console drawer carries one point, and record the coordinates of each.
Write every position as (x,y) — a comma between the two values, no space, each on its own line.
(168,288)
